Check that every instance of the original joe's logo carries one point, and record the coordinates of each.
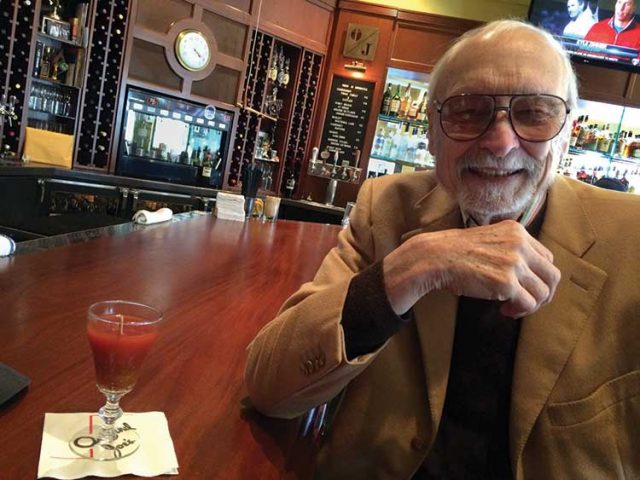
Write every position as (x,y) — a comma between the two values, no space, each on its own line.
(88,441)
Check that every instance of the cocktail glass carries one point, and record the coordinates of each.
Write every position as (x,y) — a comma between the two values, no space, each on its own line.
(121,334)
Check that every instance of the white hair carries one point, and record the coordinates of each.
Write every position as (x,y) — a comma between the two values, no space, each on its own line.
(495,30)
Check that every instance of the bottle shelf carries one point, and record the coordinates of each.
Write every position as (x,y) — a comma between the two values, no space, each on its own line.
(603,157)
(294,102)
(260,159)
(45,113)
(401,161)
(409,121)
(61,40)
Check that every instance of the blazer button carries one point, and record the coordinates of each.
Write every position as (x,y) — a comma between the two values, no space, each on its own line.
(308,365)
(419,445)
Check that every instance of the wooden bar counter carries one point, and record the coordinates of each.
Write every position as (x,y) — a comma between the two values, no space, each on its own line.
(217,282)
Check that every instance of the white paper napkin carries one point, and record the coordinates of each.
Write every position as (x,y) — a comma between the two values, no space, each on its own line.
(145,217)
(7,246)
(155,456)
(230,206)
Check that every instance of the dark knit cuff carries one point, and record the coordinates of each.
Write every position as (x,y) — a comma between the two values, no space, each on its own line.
(367,317)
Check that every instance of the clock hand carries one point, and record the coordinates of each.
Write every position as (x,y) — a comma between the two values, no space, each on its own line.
(197,52)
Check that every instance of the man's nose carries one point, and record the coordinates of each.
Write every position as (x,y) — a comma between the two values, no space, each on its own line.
(500,138)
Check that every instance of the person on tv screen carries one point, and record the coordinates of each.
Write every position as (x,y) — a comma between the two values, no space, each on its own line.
(621,29)
(582,19)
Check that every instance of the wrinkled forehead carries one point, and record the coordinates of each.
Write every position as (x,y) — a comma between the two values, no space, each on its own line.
(513,62)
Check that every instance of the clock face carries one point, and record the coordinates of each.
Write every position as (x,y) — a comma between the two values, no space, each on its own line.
(192,50)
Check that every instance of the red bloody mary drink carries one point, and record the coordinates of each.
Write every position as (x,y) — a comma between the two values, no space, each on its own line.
(120,344)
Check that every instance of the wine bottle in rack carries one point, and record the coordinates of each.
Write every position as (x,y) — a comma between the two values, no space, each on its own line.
(273,71)
(285,76)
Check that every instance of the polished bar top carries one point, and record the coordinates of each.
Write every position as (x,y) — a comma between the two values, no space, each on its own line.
(218,283)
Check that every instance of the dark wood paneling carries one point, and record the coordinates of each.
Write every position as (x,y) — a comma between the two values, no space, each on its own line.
(432,45)
(221,85)
(148,63)
(158,15)
(230,35)
(368,8)
(301,22)
(603,84)
(243,5)
(376,73)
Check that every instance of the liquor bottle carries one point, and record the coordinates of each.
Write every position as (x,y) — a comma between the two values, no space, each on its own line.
(582,135)
(628,141)
(575,131)
(286,77)
(405,103)
(590,138)
(634,148)
(273,70)
(46,64)
(387,145)
(621,142)
(413,109)
(290,185)
(37,60)
(394,108)
(395,143)
(422,109)
(207,167)
(403,141)
(412,146)
(378,142)
(386,101)
(281,67)
(604,140)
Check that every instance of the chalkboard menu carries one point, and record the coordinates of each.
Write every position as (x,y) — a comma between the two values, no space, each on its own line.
(347,115)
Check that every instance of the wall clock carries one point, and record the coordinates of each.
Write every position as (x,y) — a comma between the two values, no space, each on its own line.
(192,50)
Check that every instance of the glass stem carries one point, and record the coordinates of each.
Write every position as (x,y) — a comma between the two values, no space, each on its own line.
(109,414)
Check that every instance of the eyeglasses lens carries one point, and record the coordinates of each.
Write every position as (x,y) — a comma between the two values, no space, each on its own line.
(535,118)
(538,117)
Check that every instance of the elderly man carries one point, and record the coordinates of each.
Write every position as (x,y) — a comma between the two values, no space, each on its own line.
(621,29)
(483,320)
(581,19)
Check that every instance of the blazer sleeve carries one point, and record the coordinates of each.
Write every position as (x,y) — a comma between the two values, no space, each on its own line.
(298,360)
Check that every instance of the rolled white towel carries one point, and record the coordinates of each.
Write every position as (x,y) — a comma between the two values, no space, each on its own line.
(145,217)
(7,246)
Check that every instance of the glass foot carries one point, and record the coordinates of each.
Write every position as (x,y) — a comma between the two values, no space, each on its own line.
(87,443)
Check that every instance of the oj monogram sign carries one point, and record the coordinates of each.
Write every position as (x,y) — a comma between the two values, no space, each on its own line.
(361,42)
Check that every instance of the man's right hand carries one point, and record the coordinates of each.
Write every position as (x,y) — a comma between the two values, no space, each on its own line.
(494,262)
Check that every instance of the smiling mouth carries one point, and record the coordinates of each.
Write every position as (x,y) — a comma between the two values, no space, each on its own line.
(494,172)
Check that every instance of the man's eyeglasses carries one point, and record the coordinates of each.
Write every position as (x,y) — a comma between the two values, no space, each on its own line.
(534,117)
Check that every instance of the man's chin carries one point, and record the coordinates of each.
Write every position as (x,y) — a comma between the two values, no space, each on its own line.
(501,206)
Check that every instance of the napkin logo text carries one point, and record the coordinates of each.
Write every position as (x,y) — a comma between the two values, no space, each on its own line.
(88,441)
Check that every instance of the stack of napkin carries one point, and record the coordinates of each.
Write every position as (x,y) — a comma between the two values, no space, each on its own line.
(230,206)
(145,217)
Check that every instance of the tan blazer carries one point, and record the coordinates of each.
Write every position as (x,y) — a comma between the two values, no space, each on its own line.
(575,410)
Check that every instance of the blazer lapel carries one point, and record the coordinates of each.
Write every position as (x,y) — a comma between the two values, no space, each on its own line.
(435,313)
(547,338)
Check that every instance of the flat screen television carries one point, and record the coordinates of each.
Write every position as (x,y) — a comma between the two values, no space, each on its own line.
(586,29)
